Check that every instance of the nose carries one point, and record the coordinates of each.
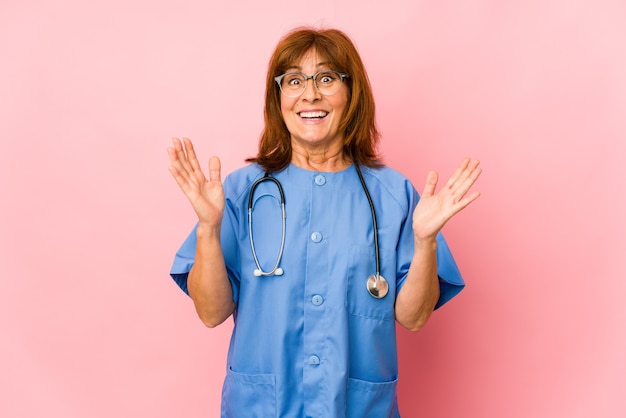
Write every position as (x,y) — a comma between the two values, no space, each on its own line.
(311,93)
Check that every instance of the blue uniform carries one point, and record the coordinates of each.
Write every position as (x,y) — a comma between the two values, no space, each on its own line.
(313,342)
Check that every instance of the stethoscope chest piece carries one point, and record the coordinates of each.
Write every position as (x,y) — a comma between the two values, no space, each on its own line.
(377,286)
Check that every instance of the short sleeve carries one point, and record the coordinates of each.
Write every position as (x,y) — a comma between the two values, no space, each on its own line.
(230,247)
(450,280)
(183,261)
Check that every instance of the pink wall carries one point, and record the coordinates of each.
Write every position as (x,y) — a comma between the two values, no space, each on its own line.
(91,92)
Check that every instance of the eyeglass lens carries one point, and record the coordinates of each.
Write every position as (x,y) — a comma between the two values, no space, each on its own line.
(327,82)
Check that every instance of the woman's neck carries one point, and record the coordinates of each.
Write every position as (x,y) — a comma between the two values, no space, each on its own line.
(328,160)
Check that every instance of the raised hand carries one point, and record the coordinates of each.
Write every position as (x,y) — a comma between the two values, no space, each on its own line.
(206,196)
(435,209)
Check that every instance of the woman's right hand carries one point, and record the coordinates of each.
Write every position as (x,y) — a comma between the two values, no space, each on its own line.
(206,196)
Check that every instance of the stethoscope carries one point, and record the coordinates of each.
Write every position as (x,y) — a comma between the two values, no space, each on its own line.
(258,271)
(376,284)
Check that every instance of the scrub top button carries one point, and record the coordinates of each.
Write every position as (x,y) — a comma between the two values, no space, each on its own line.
(320,180)
(317,300)
(314,360)
(316,237)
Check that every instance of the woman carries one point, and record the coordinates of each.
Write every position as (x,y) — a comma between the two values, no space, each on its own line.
(314,336)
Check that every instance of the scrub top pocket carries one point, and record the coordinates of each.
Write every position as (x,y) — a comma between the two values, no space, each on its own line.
(372,399)
(249,395)
(361,265)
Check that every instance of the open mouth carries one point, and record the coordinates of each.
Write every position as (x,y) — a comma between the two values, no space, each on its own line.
(313,115)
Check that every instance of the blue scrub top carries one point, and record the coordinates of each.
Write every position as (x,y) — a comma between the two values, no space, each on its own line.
(313,342)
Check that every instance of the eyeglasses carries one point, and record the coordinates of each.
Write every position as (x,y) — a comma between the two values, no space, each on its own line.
(327,82)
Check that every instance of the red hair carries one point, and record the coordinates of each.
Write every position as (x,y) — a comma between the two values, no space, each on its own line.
(360,136)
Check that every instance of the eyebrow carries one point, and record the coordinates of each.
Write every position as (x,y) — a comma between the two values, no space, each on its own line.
(296,67)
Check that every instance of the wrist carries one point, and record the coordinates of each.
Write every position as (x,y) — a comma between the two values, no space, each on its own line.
(205,230)
(429,243)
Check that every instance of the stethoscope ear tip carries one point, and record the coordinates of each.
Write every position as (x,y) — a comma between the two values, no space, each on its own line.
(257,272)
(279,272)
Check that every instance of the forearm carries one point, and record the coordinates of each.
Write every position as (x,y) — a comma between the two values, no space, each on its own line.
(208,282)
(420,292)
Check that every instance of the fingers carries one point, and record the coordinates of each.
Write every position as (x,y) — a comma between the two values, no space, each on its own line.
(179,173)
(431,184)
(181,180)
(175,166)
(458,172)
(468,176)
(457,187)
(184,166)
(215,169)
(463,179)
(183,158)
(191,155)
(464,171)
(177,156)
(183,154)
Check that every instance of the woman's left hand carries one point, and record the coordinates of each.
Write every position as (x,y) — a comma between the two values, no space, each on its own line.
(435,209)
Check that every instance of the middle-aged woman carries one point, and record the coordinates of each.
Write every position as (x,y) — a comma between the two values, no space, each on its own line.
(314,335)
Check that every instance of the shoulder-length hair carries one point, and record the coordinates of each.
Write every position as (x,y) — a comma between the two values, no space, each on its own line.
(360,135)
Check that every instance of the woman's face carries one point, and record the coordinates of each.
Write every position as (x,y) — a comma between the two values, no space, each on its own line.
(312,118)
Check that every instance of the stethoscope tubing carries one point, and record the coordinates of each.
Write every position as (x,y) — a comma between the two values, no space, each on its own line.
(276,270)
(374,223)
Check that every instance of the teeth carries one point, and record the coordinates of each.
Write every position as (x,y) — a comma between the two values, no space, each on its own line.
(320,114)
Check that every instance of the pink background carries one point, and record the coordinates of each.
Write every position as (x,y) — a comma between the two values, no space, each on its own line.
(92,91)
